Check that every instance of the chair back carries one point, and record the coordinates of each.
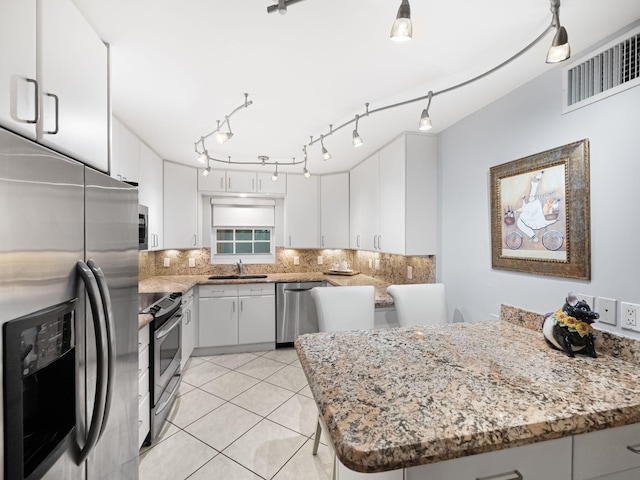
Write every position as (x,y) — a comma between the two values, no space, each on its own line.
(419,304)
(344,308)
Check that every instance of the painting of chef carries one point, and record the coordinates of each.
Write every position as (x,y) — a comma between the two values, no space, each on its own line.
(534,224)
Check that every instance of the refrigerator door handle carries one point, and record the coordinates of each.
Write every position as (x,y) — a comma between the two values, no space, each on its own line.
(93,434)
(111,337)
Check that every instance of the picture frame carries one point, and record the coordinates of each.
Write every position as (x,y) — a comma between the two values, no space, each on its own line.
(540,213)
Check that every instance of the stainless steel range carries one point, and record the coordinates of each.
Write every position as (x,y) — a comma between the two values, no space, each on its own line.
(165,351)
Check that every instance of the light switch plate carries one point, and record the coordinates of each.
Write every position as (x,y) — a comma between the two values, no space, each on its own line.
(296,260)
(590,299)
(192,262)
(409,272)
(607,310)
(167,262)
(320,260)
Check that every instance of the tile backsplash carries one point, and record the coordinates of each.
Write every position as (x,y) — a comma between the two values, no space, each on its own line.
(391,268)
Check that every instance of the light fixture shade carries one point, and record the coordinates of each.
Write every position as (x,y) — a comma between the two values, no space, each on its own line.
(560,49)
(402,30)
(306,172)
(206,172)
(224,137)
(357,141)
(202,158)
(325,154)
(425,121)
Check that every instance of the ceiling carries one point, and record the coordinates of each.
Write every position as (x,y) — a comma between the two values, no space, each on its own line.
(178,66)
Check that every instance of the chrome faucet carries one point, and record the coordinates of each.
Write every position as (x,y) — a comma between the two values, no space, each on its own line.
(240,267)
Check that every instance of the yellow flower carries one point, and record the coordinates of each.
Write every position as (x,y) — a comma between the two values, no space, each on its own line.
(583,328)
(570,321)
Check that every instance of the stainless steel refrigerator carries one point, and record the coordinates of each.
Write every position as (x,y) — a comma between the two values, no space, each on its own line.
(68,312)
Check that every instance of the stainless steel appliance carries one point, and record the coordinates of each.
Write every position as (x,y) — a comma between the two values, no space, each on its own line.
(143,227)
(166,355)
(68,295)
(295,311)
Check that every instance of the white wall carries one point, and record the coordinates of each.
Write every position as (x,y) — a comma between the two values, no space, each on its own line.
(524,122)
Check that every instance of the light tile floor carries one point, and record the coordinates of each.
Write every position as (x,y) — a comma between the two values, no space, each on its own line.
(246,416)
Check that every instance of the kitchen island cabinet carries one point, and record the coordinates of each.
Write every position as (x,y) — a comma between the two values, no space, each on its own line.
(417,398)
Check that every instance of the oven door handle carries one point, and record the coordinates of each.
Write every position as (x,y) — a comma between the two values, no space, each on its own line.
(111,338)
(93,433)
(164,331)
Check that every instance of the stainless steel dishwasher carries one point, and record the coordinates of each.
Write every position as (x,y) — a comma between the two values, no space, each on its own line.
(295,311)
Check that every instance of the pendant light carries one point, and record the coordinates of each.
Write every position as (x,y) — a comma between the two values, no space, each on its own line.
(425,120)
(203,157)
(402,29)
(560,49)
(356,140)
(274,177)
(224,137)
(325,153)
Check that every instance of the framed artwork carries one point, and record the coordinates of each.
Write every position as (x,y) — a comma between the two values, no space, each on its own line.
(540,220)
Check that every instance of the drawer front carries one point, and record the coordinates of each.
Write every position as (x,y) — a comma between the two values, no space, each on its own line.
(187,297)
(543,460)
(143,360)
(256,289)
(144,419)
(143,384)
(143,337)
(605,452)
(209,291)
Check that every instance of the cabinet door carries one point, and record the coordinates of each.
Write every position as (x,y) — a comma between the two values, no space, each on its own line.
(242,182)
(214,182)
(343,473)
(364,205)
(18,90)
(301,212)
(334,211)
(543,460)
(180,206)
(125,153)
(217,322)
(150,193)
(267,185)
(257,319)
(72,72)
(391,198)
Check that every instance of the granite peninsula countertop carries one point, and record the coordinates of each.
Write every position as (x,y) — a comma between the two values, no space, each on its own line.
(182,283)
(401,397)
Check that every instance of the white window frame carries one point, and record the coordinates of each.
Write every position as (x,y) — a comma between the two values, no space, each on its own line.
(255,258)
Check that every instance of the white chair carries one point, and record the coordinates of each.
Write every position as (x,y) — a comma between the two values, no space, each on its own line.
(340,309)
(419,304)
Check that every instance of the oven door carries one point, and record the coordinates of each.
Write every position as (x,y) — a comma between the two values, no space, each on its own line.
(167,341)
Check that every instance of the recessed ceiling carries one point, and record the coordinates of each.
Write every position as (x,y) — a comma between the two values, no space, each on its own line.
(179,66)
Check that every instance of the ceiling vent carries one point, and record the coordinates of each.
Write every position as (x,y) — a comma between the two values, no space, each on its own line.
(608,70)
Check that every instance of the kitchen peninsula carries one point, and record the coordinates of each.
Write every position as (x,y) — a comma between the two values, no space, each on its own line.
(410,397)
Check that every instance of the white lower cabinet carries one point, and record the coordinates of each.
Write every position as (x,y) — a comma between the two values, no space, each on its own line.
(144,407)
(605,454)
(538,461)
(188,326)
(343,473)
(236,314)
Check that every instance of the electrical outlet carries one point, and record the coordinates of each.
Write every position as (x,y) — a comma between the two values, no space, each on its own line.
(629,316)
(320,260)
(167,262)
(192,262)
(409,272)
(377,264)
(590,299)
(296,260)
(607,310)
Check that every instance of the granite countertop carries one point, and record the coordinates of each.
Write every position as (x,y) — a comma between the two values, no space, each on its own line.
(182,283)
(395,398)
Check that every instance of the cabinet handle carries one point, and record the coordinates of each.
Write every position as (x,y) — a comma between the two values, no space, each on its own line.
(229,183)
(379,242)
(260,185)
(241,305)
(221,183)
(253,184)
(518,476)
(234,306)
(37,102)
(375,237)
(634,448)
(289,240)
(322,241)
(195,238)
(358,240)
(56,103)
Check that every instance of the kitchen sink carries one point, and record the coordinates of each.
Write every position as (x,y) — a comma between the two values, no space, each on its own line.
(235,277)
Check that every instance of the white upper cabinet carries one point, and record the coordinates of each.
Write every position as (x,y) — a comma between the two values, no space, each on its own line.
(301,212)
(150,189)
(233,181)
(334,211)
(266,184)
(241,182)
(180,206)
(214,182)
(18,87)
(394,198)
(125,153)
(72,74)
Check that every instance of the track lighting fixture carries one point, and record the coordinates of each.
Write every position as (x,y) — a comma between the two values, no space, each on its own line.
(224,137)
(560,49)
(305,172)
(357,141)
(325,153)
(274,177)
(202,158)
(402,28)
(425,120)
